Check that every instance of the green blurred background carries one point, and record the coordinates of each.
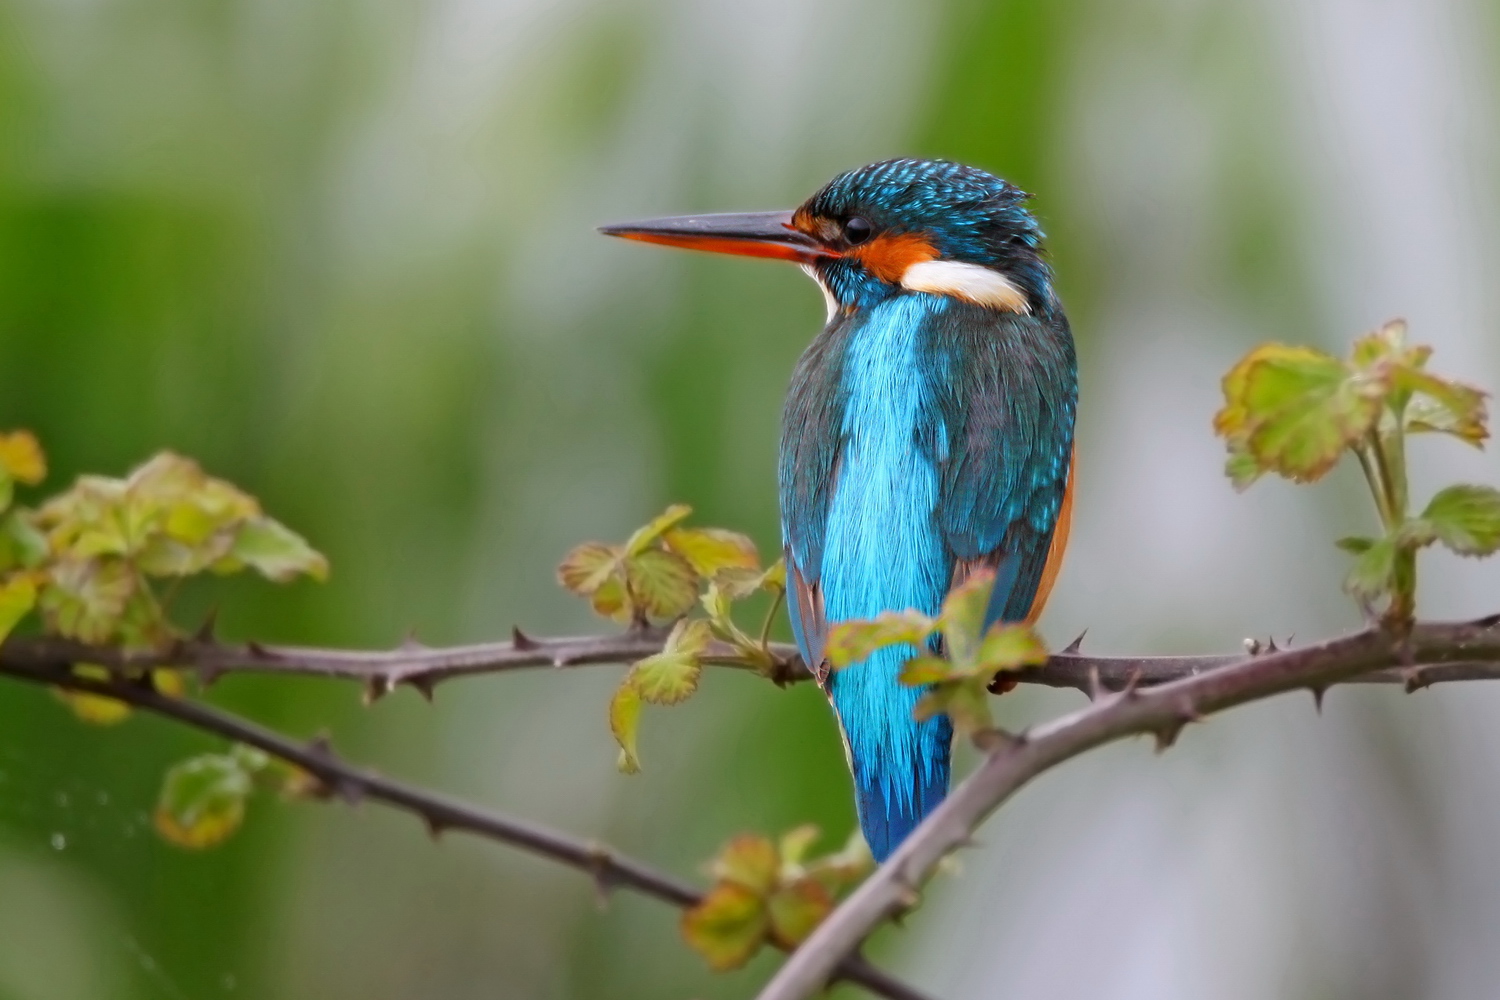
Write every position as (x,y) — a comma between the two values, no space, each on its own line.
(343,253)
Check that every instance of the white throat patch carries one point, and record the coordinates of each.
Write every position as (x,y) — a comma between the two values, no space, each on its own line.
(828,299)
(970,282)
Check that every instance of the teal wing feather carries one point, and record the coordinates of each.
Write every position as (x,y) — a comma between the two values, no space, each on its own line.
(1004,442)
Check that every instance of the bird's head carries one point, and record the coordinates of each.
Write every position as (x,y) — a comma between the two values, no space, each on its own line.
(891,227)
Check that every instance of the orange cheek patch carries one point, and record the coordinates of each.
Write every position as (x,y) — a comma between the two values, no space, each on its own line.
(888,257)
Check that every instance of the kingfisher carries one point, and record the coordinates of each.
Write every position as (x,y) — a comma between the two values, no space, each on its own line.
(927,435)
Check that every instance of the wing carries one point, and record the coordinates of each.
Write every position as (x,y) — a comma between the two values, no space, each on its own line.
(811,443)
(1004,444)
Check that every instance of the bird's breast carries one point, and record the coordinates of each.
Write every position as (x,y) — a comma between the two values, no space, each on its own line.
(882,550)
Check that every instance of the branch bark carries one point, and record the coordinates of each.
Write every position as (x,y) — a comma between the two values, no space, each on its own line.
(1161,711)
(353,784)
(423,668)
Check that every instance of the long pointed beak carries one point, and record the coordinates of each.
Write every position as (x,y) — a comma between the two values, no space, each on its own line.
(749,234)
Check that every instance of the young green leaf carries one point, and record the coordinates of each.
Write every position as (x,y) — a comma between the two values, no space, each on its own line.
(670,676)
(1010,646)
(202,800)
(709,550)
(1355,544)
(17,598)
(727,927)
(660,584)
(588,567)
(852,641)
(749,861)
(21,544)
(611,600)
(738,583)
(1242,468)
(795,844)
(1465,420)
(1294,410)
(276,552)
(963,617)
(85,599)
(94,709)
(21,458)
(1466,519)
(646,536)
(796,909)
(624,722)
(925,670)
(844,868)
(1371,576)
(966,703)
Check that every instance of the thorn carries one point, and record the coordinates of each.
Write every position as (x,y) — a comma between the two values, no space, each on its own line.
(1252,647)
(258,651)
(1077,644)
(1318,691)
(1131,683)
(205,633)
(208,675)
(520,640)
(424,683)
(1271,644)
(320,745)
(1167,735)
(1289,639)
(1096,687)
(410,644)
(435,826)
(352,792)
(1415,678)
(600,860)
(377,686)
(1488,621)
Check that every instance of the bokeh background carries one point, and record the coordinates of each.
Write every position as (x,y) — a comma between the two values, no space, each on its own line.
(343,252)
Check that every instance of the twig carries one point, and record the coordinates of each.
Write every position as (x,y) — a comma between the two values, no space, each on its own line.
(607,867)
(1161,711)
(423,667)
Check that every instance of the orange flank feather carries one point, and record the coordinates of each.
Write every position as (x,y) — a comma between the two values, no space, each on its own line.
(888,257)
(1059,544)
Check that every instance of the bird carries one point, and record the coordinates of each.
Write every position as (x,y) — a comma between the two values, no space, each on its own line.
(927,434)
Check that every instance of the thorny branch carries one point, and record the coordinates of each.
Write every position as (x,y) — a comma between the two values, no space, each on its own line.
(353,784)
(1161,711)
(423,668)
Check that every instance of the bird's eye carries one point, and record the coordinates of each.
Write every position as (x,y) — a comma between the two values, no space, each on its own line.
(856,231)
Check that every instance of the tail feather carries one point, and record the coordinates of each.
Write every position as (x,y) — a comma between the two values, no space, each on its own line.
(900,765)
(886,820)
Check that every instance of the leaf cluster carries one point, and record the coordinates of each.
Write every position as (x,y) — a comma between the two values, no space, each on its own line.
(657,573)
(769,892)
(1295,411)
(956,669)
(661,572)
(88,560)
(202,799)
